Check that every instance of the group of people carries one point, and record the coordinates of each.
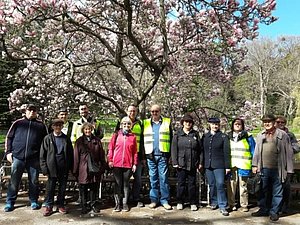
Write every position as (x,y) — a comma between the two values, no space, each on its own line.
(226,159)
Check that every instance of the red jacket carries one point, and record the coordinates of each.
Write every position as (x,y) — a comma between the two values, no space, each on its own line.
(122,150)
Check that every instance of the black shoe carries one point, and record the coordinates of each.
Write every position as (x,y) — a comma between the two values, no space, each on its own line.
(224,212)
(259,213)
(95,209)
(274,217)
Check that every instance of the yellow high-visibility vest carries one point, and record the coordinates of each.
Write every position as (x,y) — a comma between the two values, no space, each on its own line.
(240,154)
(164,136)
(137,131)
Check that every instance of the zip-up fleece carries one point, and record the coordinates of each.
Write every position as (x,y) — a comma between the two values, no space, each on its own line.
(24,138)
(122,150)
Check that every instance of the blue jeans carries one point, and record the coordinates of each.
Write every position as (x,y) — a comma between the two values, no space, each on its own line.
(18,167)
(270,185)
(158,172)
(137,182)
(51,184)
(217,194)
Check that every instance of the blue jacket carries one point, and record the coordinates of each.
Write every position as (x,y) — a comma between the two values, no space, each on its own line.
(216,151)
(24,138)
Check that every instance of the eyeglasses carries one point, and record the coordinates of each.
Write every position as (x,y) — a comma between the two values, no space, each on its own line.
(282,122)
(154,111)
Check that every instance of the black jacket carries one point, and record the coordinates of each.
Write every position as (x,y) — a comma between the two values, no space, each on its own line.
(216,151)
(24,138)
(48,155)
(186,150)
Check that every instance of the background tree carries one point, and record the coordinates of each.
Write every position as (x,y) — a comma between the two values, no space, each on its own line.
(111,53)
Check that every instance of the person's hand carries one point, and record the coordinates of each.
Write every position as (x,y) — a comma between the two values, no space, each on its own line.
(227,171)
(9,157)
(111,164)
(133,168)
(254,170)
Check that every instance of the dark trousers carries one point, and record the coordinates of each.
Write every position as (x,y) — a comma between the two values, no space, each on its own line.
(122,176)
(88,195)
(61,180)
(182,175)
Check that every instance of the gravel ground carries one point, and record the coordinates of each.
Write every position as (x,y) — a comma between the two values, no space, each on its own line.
(23,215)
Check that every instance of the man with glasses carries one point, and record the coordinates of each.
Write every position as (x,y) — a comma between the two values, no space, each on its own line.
(23,142)
(273,161)
(157,139)
(281,124)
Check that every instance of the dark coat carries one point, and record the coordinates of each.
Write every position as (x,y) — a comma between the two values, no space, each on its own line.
(186,150)
(82,148)
(48,155)
(216,151)
(24,138)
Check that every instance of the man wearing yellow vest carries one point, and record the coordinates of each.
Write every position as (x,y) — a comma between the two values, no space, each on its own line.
(242,147)
(157,139)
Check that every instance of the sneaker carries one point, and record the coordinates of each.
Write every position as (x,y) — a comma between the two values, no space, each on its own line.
(244,209)
(48,211)
(152,205)
(233,208)
(167,206)
(194,207)
(224,212)
(213,207)
(125,208)
(8,208)
(78,201)
(274,217)
(35,206)
(62,210)
(179,206)
(117,208)
(259,213)
(140,205)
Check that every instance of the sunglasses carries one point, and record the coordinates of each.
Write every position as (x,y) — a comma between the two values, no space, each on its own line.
(125,123)
(154,111)
(281,122)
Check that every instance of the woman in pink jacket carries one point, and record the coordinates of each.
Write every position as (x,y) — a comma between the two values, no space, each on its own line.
(122,157)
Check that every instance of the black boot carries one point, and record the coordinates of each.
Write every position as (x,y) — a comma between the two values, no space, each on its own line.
(83,196)
(117,201)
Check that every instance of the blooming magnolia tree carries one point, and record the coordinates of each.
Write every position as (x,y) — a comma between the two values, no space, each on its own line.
(115,52)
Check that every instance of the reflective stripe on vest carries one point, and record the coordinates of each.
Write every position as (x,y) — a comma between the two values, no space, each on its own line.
(164,136)
(240,154)
(137,130)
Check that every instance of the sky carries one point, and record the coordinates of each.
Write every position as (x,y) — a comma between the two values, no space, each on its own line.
(288,23)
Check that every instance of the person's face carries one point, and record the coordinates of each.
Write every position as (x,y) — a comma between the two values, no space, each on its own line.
(83,110)
(214,126)
(280,123)
(187,125)
(31,113)
(237,126)
(155,112)
(132,112)
(126,125)
(63,116)
(57,128)
(268,124)
(87,131)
